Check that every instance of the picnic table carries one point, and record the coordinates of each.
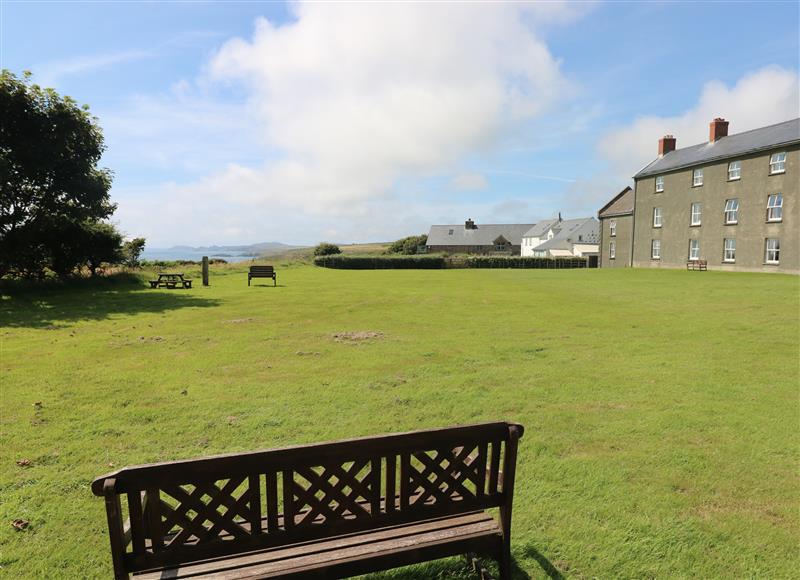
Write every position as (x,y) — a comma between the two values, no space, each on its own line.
(171,281)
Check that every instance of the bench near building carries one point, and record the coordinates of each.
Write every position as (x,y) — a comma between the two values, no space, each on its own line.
(731,202)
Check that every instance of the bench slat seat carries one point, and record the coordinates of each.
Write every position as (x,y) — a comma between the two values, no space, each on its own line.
(351,554)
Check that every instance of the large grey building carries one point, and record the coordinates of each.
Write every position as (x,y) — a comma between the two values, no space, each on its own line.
(732,201)
(472,238)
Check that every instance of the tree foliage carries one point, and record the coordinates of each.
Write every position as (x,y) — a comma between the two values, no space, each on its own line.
(408,246)
(326,249)
(132,251)
(53,196)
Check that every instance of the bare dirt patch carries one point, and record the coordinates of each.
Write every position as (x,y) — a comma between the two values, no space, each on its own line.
(358,336)
(238,320)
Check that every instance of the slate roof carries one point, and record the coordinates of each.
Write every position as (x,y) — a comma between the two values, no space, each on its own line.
(621,204)
(569,233)
(540,228)
(482,235)
(769,137)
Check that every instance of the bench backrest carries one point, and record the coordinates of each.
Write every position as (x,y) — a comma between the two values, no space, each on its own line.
(261,270)
(184,511)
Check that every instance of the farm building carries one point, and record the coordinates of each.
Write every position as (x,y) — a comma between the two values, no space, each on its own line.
(561,238)
(730,202)
(472,238)
(616,230)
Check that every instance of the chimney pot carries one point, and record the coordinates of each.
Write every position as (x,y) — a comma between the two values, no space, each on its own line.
(469,224)
(717,129)
(666,145)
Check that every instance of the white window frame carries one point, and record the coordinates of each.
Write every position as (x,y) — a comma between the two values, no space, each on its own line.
(659,183)
(729,250)
(655,249)
(697,177)
(694,250)
(612,228)
(777,163)
(658,218)
(775,207)
(612,249)
(772,255)
(699,213)
(732,208)
(734,170)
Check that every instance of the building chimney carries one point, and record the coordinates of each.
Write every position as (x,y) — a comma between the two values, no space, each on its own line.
(717,129)
(559,217)
(469,224)
(666,145)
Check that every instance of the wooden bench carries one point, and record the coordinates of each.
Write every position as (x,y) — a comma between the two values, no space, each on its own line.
(262,272)
(171,281)
(701,265)
(329,510)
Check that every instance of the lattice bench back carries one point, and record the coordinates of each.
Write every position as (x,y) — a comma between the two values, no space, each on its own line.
(185,511)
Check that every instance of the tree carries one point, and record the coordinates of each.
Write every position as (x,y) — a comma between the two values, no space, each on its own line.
(73,246)
(131,251)
(49,151)
(408,246)
(326,249)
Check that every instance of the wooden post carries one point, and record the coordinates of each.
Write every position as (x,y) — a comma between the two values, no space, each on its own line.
(205,270)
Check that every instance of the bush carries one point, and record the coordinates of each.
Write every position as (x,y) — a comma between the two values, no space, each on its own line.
(131,251)
(437,262)
(380,262)
(521,262)
(326,249)
(408,246)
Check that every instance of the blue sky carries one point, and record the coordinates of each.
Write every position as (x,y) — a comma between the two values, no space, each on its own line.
(242,122)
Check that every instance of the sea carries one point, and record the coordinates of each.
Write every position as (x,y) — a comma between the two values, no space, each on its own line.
(169,255)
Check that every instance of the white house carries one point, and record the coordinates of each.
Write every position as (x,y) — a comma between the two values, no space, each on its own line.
(562,238)
(540,232)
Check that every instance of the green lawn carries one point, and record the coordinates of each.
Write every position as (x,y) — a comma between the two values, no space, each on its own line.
(661,407)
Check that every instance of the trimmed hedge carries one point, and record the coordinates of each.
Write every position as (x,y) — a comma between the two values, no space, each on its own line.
(438,262)
(522,262)
(380,262)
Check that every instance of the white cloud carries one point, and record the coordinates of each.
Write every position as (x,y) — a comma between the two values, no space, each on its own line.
(184,129)
(356,96)
(49,74)
(764,97)
(469,182)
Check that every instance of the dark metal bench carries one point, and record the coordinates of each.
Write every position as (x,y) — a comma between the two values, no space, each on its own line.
(262,272)
(701,265)
(329,510)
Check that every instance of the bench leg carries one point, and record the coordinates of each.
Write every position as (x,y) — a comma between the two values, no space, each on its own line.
(248,280)
(504,561)
(274,281)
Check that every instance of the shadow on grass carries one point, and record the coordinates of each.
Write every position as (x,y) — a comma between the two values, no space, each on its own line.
(448,569)
(552,572)
(53,305)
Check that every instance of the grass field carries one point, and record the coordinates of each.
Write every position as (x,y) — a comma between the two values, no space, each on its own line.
(661,407)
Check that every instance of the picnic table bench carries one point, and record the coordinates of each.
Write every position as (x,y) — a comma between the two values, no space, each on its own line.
(262,272)
(701,265)
(328,510)
(171,281)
